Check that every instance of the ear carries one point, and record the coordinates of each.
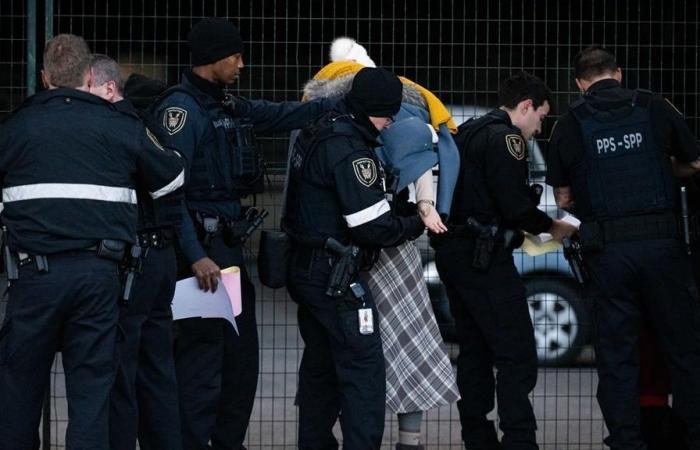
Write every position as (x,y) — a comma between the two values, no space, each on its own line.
(111,90)
(580,85)
(618,75)
(88,79)
(45,81)
(524,105)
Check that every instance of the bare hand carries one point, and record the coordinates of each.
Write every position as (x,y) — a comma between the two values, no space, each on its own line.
(685,170)
(561,229)
(207,273)
(430,217)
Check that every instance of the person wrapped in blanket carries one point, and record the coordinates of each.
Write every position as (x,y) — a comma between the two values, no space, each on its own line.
(419,376)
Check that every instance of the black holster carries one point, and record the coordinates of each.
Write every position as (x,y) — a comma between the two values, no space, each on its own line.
(574,255)
(486,236)
(132,266)
(345,268)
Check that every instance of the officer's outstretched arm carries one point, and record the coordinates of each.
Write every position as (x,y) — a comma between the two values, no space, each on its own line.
(160,170)
(366,211)
(283,116)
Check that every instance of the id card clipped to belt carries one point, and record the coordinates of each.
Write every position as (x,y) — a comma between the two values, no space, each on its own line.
(365,316)
(366,320)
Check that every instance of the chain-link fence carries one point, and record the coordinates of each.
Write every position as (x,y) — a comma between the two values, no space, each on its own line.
(459,50)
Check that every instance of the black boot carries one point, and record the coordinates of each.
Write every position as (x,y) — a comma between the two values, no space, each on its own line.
(662,429)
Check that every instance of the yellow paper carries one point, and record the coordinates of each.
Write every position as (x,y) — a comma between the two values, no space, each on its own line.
(534,245)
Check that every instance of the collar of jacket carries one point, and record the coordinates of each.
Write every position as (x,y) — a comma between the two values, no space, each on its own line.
(68,93)
(213,90)
(502,116)
(125,105)
(359,121)
(608,94)
(606,83)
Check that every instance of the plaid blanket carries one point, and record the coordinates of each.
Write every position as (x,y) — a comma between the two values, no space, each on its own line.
(419,375)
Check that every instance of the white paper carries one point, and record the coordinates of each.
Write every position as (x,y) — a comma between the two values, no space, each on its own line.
(191,301)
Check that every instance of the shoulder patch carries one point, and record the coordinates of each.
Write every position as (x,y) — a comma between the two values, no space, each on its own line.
(516,146)
(365,171)
(673,106)
(153,139)
(174,119)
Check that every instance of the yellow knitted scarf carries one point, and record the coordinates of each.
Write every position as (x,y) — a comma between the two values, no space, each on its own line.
(438,112)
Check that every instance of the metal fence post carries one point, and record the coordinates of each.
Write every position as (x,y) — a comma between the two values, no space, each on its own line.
(31,47)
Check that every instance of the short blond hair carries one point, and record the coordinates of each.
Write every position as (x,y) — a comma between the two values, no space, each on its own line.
(66,60)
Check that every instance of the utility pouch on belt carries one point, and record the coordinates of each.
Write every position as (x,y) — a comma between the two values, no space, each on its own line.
(485,243)
(273,257)
(111,249)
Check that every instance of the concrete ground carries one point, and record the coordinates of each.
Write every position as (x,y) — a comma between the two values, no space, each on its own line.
(564,399)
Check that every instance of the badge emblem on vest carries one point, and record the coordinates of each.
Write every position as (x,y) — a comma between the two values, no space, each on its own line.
(516,146)
(365,171)
(174,119)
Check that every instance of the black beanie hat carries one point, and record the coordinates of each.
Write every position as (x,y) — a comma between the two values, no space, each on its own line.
(213,39)
(377,92)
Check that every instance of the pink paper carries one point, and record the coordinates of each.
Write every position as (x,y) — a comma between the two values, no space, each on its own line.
(231,279)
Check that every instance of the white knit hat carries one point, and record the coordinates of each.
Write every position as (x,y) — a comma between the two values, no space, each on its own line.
(346,49)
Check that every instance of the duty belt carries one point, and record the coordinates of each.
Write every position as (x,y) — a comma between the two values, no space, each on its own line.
(157,238)
(633,228)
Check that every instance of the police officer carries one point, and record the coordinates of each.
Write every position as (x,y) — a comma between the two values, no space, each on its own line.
(144,400)
(336,191)
(70,164)
(217,370)
(492,203)
(610,160)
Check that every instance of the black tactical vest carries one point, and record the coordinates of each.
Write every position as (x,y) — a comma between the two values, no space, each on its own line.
(624,172)
(232,170)
(471,197)
(312,208)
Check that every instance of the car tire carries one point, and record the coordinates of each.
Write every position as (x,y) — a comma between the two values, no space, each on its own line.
(559,318)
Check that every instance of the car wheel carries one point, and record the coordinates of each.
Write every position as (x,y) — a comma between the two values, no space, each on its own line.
(559,318)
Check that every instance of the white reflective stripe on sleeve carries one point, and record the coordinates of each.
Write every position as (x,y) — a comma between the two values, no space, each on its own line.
(167,189)
(68,191)
(368,214)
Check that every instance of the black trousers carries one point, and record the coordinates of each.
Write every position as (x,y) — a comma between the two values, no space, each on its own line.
(74,307)
(630,279)
(493,330)
(217,370)
(144,401)
(342,371)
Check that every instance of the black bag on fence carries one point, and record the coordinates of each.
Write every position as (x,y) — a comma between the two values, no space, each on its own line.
(273,257)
